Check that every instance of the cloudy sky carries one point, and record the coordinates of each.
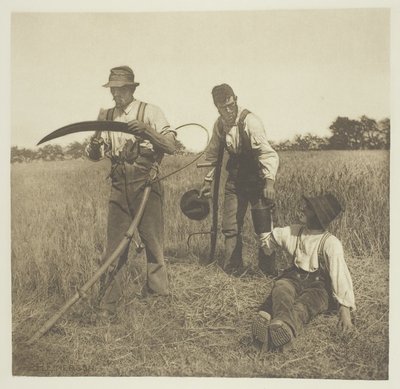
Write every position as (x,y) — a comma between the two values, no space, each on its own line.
(296,69)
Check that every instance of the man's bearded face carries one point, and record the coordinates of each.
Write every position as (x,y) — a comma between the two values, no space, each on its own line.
(122,96)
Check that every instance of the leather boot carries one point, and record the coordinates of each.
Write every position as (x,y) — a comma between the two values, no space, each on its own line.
(157,280)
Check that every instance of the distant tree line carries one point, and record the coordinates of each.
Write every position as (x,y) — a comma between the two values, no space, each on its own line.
(49,152)
(346,134)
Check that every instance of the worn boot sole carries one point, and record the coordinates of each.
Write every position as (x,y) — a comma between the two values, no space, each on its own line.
(260,328)
(280,333)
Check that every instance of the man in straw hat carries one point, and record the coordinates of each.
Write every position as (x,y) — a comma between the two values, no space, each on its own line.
(132,158)
(318,281)
(251,167)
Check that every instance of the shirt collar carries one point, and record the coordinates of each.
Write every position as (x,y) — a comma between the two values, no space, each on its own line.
(128,107)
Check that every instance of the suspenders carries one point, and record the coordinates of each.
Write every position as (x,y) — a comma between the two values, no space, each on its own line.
(320,251)
(242,135)
(321,256)
(140,112)
(139,115)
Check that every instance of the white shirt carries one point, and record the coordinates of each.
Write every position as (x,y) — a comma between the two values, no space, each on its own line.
(153,116)
(267,156)
(305,255)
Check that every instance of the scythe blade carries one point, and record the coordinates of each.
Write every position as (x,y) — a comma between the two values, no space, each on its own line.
(88,126)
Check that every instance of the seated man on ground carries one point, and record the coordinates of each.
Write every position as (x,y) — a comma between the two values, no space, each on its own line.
(318,279)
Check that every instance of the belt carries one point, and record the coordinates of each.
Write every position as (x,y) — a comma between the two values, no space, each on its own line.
(303,275)
(146,157)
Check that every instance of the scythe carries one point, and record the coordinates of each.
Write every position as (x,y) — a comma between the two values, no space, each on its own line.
(88,126)
(215,204)
(101,270)
(100,126)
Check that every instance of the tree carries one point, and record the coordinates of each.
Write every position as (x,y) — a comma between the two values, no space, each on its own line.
(384,126)
(180,148)
(51,153)
(365,133)
(309,142)
(372,135)
(76,149)
(346,134)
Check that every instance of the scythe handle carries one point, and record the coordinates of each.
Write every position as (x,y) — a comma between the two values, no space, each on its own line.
(206,164)
(215,200)
(102,269)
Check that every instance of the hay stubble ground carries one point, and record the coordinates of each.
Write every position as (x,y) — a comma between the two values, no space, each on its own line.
(59,214)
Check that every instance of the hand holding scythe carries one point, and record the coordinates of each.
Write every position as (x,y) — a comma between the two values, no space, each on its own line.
(164,143)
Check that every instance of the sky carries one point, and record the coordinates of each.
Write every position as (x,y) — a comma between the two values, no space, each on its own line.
(295,69)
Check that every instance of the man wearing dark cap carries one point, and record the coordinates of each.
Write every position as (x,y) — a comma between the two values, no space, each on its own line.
(318,280)
(251,167)
(133,157)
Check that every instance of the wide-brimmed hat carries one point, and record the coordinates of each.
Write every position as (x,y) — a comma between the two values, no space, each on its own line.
(326,208)
(193,207)
(121,76)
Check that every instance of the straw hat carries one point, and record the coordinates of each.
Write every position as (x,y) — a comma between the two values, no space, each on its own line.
(121,76)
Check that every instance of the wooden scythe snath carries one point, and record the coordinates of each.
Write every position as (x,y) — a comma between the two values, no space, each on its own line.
(101,270)
(98,126)
(215,204)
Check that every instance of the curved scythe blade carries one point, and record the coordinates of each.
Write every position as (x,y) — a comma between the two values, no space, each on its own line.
(88,126)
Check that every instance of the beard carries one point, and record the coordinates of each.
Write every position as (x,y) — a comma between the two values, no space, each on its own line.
(122,102)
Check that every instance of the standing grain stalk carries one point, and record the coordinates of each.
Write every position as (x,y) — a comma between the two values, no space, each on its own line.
(81,293)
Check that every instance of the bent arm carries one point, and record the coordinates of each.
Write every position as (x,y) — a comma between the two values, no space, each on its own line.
(342,285)
(212,151)
(267,157)
(164,141)
(158,131)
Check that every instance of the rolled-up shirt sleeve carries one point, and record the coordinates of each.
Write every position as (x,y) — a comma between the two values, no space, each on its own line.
(268,158)
(155,117)
(342,285)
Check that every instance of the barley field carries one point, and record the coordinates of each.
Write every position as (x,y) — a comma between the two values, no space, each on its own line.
(58,216)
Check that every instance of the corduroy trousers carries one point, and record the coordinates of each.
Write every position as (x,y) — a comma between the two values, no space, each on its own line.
(128,182)
(296,298)
(237,197)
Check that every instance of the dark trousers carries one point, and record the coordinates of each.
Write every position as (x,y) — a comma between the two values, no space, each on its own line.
(237,197)
(296,298)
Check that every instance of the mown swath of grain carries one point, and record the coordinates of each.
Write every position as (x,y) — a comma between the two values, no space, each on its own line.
(59,212)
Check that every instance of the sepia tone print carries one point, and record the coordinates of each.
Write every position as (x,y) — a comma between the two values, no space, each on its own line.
(209,198)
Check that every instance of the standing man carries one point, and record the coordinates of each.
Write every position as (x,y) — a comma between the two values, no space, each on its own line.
(133,158)
(251,167)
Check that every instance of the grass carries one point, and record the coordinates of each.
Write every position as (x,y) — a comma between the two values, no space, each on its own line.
(59,212)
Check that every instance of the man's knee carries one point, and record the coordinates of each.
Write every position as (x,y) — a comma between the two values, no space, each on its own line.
(282,286)
(316,300)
